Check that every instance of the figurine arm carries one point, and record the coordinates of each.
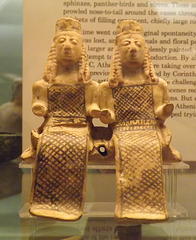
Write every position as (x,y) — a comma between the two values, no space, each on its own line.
(106,103)
(40,100)
(92,100)
(163,107)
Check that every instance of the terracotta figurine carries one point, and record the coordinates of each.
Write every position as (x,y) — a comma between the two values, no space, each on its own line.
(135,103)
(65,97)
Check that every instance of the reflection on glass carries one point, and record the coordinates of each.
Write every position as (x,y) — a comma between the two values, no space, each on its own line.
(128,233)
(10,79)
(56,233)
(11,112)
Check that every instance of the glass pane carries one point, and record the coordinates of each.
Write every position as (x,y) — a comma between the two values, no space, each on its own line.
(10,65)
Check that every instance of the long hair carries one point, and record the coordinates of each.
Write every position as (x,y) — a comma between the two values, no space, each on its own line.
(50,72)
(116,75)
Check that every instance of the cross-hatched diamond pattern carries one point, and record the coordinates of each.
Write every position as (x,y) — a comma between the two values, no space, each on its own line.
(140,189)
(133,103)
(67,99)
(141,178)
(60,173)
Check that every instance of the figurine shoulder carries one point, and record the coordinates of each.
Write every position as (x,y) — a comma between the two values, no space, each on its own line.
(92,85)
(162,84)
(104,86)
(40,84)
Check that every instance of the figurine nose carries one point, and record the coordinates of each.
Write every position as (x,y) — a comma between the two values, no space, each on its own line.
(67,44)
(132,48)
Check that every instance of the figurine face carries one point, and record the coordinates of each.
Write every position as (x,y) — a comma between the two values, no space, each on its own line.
(132,50)
(68,48)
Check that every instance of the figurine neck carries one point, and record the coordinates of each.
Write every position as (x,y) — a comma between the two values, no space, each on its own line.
(133,76)
(67,68)
(67,74)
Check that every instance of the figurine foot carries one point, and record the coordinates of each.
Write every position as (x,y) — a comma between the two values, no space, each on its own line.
(140,218)
(171,155)
(39,211)
(28,153)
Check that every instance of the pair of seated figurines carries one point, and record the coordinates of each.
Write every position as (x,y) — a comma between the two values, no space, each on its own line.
(134,103)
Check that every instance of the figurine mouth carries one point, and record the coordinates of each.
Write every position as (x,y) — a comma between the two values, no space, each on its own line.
(132,56)
(68,56)
(68,53)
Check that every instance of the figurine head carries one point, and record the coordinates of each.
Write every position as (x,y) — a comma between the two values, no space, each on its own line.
(130,51)
(131,48)
(67,50)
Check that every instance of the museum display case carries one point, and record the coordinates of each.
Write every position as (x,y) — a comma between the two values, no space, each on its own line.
(170,36)
(100,202)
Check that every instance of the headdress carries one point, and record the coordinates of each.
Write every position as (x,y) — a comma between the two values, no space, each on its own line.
(68,24)
(129,26)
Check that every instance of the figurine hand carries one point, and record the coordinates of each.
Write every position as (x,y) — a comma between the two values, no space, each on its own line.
(39,110)
(106,116)
(168,109)
(165,111)
(93,111)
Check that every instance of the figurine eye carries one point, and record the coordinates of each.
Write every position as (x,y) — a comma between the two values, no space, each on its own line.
(138,43)
(125,43)
(61,40)
(74,41)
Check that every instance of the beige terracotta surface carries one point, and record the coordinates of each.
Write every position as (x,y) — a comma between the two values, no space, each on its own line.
(65,98)
(135,103)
